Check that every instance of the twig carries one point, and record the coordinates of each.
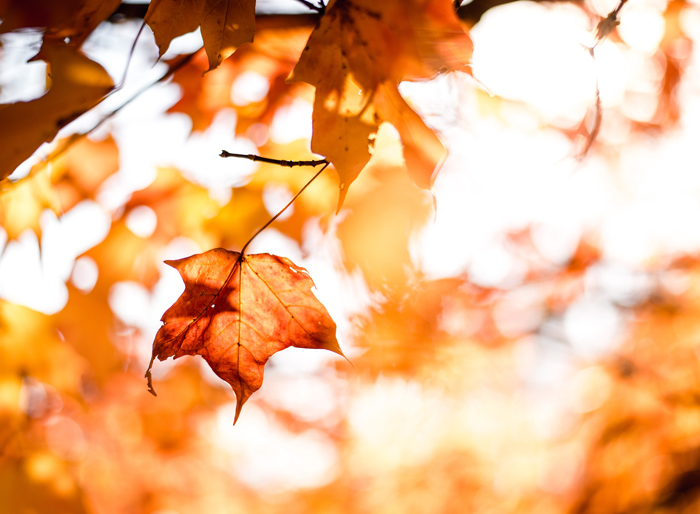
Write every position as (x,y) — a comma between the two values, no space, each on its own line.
(319,9)
(608,24)
(604,28)
(598,115)
(278,162)
(286,206)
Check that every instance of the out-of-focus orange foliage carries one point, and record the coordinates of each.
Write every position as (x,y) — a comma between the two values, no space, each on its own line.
(463,396)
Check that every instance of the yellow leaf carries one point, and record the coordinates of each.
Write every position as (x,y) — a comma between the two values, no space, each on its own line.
(78,84)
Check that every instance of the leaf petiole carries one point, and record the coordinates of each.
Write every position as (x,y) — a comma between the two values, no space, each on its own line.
(289,164)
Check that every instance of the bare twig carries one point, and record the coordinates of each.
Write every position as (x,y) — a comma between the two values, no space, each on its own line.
(608,24)
(317,8)
(597,120)
(278,162)
(604,28)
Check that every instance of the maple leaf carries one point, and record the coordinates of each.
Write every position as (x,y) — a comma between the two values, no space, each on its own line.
(78,84)
(238,310)
(363,48)
(225,24)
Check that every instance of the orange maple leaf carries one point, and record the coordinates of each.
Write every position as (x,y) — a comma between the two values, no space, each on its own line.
(238,310)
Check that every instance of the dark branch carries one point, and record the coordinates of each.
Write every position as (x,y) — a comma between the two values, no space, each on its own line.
(278,162)
(472,12)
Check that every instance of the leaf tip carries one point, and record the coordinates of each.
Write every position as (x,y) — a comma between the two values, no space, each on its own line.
(149,379)
(342,193)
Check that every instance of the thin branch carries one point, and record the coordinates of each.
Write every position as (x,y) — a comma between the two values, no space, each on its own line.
(313,7)
(598,116)
(285,207)
(278,162)
(604,28)
(608,24)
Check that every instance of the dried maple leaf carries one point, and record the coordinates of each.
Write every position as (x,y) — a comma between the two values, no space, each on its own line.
(239,310)
(225,24)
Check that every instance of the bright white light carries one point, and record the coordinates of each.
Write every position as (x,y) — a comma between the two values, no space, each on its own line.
(555,241)
(593,327)
(309,398)
(292,122)
(643,28)
(74,233)
(528,52)
(612,70)
(199,157)
(130,302)
(626,236)
(21,81)
(265,456)
(24,281)
(275,197)
(249,87)
(389,417)
(494,266)
(85,274)
(142,221)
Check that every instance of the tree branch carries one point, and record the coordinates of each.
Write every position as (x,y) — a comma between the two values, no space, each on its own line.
(278,162)
(472,12)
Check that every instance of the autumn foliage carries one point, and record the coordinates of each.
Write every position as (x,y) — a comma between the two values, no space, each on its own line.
(505,271)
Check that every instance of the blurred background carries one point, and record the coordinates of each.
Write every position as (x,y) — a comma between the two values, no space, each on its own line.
(525,340)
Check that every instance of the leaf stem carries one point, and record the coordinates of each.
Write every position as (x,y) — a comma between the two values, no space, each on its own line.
(286,206)
(278,162)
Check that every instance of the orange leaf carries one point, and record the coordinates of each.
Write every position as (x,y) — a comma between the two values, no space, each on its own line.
(422,150)
(237,311)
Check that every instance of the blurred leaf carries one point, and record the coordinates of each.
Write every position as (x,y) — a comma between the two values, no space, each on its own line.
(77,85)
(78,174)
(22,202)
